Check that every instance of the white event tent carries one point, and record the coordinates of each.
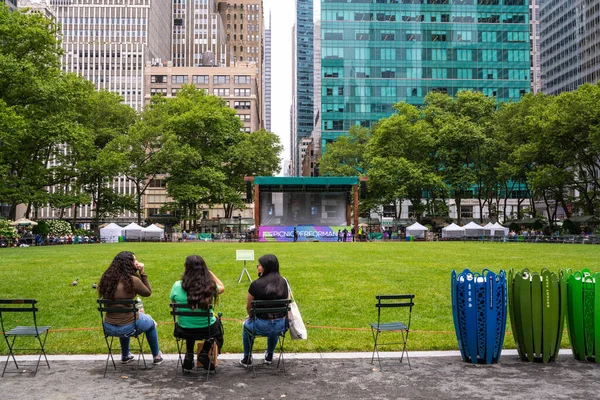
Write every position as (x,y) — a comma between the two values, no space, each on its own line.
(472,229)
(110,233)
(500,230)
(489,229)
(452,231)
(153,232)
(133,232)
(417,230)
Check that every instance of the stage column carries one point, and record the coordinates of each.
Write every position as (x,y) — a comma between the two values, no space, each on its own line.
(356,210)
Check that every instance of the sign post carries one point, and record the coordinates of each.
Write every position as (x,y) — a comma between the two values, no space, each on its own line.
(244,255)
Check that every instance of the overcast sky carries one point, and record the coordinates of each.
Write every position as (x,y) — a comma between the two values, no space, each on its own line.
(282,20)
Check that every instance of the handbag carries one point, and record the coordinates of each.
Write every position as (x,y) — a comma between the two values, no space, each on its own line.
(297,328)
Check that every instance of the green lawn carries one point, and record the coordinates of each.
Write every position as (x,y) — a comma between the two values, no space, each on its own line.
(334,283)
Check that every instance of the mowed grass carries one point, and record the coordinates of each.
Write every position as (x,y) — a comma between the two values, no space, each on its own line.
(334,284)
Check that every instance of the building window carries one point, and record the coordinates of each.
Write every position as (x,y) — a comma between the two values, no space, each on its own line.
(241,92)
(242,79)
(221,92)
(241,105)
(221,79)
(159,91)
(466,211)
(157,183)
(158,79)
(179,79)
(201,79)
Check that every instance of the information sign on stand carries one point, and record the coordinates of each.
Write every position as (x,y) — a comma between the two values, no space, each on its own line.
(244,255)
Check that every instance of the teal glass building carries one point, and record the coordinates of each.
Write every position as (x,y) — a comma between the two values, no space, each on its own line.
(375,53)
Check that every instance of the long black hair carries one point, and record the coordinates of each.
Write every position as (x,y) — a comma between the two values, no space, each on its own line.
(201,289)
(274,282)
(121,269)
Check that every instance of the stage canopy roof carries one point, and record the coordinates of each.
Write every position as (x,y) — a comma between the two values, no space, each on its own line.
(305,184)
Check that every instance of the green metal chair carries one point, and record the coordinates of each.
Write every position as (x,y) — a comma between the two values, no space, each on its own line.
(121,307)
(390,323)
(179,310)
(40,333)
(259,307)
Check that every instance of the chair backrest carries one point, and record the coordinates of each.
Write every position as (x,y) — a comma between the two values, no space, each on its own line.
(17,306)
(129,306)
(395,301)
(185,310)
(279,306)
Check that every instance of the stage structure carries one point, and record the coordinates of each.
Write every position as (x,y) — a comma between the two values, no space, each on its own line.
(316,207)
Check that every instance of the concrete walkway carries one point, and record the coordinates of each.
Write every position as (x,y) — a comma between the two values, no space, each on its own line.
(434,375)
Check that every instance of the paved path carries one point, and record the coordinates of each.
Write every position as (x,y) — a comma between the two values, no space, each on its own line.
(434,375)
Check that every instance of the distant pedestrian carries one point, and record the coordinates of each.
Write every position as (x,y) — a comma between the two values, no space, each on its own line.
(353,231)
(339,235)
(295,235)
(345,234)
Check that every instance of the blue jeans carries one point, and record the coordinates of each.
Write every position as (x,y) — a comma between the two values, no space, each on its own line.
(145,323)
(271,328)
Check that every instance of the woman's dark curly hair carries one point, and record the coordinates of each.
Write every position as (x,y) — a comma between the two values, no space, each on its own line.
(201,289)
(121,269)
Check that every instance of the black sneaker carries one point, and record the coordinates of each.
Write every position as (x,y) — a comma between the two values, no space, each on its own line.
(127,360)
(203,359)
(158,360)
(188,362)
(246,361)
(268,358)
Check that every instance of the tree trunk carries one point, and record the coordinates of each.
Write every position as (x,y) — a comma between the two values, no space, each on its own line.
(12,214)
(74,223)
(138,202)
(28,211)
(457,201)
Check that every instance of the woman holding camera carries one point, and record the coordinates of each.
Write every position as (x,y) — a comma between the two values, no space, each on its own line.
(269,286)
(125,279)
(200,288)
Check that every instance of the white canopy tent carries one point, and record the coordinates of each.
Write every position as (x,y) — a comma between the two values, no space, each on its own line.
(133,232)
(500,230)
(489,229)
(153,232)
(417,230)
(472,229)
(452,231)
(110,233)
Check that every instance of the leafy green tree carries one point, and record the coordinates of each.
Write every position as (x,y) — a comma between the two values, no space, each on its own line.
(29,92)
(401,150)
(347,155)
(104,118)
(198,132)
(459,129)
(139,152)
(256,155)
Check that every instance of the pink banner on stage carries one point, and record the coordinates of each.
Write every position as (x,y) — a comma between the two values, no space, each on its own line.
(311,233)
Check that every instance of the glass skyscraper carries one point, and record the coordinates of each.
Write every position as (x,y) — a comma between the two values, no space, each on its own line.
(379,52)
(570,32)
(302,113)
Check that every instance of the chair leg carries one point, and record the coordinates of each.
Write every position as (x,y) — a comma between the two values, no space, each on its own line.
(109,357)
(141,353)
(178,342)
(10,345)
(42,352)
(375,333)
(281,358)
(404,349)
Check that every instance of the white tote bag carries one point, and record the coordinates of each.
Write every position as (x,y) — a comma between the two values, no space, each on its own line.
(297,328)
